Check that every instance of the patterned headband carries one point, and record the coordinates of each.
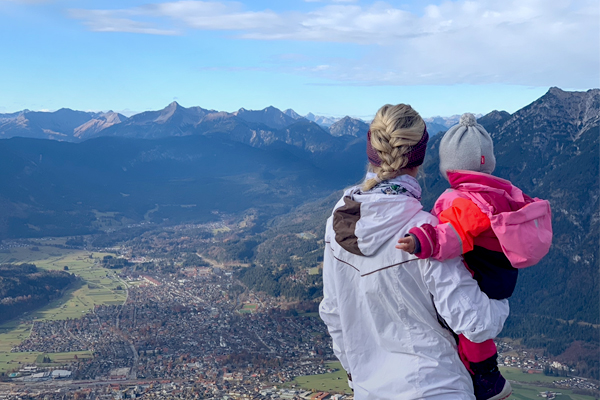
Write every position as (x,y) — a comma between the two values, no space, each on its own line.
(415,155)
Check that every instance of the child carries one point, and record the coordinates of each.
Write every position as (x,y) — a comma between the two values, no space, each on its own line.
(492,224)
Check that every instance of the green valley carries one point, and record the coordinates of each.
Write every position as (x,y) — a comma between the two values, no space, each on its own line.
(95,286)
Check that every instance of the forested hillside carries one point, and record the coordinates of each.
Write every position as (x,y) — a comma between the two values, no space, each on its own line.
(50,188)
(24,288)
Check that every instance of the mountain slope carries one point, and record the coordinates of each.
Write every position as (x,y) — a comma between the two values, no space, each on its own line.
(325,122)
(58,188)
(494,120)
(270,116)
(12,115)
(58,125)
(349,127)
(173,120)
(291,113)
(95,125)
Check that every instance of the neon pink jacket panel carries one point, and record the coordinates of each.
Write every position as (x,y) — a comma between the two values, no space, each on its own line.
(522,222)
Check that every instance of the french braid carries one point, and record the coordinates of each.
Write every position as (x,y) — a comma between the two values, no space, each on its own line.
(394,130)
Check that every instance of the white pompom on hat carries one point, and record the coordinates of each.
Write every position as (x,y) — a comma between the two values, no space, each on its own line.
(467,146)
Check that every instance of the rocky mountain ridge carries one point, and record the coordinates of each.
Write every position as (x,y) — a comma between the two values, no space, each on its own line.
(348,126)
(259,126)
(270,116)
(58,125)
(95,125)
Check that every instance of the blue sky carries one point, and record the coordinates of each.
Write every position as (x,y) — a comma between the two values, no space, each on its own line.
(330,57)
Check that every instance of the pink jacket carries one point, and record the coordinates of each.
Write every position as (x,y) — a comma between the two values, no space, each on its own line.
(483,210)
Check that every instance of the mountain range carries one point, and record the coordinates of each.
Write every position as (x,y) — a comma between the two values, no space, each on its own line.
(173,120)
(249,126)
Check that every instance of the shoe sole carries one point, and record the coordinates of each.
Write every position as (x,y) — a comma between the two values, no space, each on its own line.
(504,394)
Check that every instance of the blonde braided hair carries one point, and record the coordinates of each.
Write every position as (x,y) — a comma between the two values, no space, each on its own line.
(394,130)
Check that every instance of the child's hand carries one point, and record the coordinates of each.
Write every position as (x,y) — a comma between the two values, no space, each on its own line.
(407,244)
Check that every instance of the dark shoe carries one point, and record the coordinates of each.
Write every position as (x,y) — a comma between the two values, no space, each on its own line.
(488,382)
(500,390)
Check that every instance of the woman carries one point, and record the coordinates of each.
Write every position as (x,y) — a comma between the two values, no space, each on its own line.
(381,305)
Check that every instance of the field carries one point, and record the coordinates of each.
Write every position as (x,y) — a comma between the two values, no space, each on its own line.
(13,361)
(108,220)
(248,308)
(529,386)
(331,382)
(523,390)
(62,358)
(224,229)
(11,334)
(515,374)
(97,286)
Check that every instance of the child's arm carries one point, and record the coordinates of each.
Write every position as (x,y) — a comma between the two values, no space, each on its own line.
(453,236)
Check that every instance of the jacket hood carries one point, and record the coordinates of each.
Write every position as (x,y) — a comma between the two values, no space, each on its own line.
(365,221)
(482,182)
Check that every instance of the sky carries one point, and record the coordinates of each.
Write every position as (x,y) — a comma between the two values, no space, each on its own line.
(329,57)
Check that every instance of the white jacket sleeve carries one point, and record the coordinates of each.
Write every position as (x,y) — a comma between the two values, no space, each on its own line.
(458,299)
(329,312)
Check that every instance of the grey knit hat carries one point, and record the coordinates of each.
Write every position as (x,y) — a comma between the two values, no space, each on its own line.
(467,146)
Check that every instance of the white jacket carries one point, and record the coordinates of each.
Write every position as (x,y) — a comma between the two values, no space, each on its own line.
(380,303)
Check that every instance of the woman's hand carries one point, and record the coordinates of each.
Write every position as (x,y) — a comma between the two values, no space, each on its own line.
(407,244)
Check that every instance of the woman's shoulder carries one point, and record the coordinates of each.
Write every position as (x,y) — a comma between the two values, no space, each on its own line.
(423,217)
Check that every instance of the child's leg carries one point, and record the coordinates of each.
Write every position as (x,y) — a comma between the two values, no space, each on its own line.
(471,352)
(481,359)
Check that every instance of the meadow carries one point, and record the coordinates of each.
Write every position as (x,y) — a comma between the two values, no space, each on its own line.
(330,382)
(529,386)
(528,392)
(248,308)
(62,358)
(525,386)
(516,375)
(97,286)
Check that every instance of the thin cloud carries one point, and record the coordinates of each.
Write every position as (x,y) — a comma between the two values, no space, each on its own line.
(119,21)
(333,1)
(526,42)
(204,15)
(236,69)
(26,1)
(377,24)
